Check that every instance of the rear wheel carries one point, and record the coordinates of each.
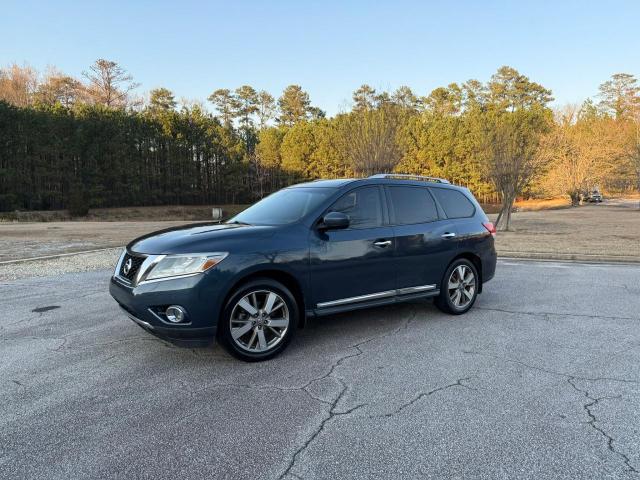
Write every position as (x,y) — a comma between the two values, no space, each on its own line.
(259,320)
(459,288)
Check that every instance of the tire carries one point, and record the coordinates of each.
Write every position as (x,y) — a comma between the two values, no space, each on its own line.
(457,304)
(249,330)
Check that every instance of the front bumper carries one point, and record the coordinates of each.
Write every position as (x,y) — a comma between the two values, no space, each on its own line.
(195,294)
(197,337)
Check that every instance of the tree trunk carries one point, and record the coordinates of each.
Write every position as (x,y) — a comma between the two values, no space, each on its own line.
(575,198)
(504,218)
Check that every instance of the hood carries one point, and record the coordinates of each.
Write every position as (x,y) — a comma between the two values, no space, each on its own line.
(198,238)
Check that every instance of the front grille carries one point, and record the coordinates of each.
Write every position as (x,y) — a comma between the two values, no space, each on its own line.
(130,266)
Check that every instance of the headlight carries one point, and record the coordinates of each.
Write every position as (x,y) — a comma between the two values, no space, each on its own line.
(177,265)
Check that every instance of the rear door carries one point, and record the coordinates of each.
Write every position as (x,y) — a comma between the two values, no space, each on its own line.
(355,264)
(425,242)
(471,234)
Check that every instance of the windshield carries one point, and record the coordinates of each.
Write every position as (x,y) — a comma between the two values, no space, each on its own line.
(284,206)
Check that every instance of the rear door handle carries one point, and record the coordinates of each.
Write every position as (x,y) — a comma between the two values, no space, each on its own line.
(382,243)
(448,235)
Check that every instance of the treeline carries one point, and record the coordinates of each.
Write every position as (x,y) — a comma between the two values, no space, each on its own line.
(54,157)
(70,143)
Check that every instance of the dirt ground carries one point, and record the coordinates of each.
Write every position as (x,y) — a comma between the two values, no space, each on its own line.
(26,240)
(609,230)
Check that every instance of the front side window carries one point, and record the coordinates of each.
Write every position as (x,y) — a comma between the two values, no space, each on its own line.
(362,206)
(413,205)
(284,206)
(455,204)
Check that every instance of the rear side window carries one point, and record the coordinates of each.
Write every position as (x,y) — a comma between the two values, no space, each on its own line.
(454,203)
(362,205)
(413,205)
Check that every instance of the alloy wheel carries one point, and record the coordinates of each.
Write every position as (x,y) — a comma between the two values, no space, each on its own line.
(259,321)
(461,287)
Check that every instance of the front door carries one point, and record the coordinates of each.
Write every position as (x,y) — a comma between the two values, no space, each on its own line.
(355,264)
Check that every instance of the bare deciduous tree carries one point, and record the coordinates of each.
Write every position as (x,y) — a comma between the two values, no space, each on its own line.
(635,151)
(583,152)
(18,85)
(109,83)
(369,139)
(60,88)
(509,144)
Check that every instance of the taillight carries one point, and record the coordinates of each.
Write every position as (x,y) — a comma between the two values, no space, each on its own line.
(490,227)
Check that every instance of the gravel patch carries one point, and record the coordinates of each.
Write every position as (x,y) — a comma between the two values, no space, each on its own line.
(81,262)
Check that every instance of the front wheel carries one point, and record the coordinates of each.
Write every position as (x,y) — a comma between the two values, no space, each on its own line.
(459,288)
(258,320)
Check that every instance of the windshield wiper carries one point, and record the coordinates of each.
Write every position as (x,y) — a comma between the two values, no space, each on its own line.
(236,222)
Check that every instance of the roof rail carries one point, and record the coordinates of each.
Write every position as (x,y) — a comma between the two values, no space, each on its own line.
(403,176)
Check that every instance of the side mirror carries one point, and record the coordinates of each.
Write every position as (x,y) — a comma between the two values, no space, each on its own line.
(334,221)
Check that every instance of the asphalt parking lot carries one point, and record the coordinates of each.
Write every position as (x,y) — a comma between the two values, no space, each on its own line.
(540,380)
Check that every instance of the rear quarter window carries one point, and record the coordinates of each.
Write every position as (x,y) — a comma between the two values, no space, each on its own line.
(454,203)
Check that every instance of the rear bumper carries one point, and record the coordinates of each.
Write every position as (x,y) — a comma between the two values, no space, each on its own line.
(489,261)
(141,304)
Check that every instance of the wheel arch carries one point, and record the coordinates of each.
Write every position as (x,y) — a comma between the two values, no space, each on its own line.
(281,276)
(477,262)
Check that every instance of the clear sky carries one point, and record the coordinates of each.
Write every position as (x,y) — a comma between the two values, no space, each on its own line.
(329,47)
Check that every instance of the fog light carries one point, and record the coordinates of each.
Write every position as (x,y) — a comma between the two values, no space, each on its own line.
(175,314)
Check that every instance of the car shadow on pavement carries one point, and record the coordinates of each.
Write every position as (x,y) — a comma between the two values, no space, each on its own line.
(325,334)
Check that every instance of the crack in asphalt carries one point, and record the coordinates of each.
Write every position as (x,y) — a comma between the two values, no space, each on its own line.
(557,314)
(552,372)
(332,413)
(571,379)
(22,386)
(458,383)
(328,374)
(630,289)
(62,345)
(593,423)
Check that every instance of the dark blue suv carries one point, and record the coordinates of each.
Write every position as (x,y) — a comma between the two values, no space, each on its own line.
(308,250)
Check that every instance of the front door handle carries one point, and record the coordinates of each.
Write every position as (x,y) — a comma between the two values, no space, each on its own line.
(448,235)
(382,243)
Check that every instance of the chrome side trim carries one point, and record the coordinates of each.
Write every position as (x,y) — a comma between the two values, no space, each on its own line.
(374,296)
(360,298)
(417,289)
